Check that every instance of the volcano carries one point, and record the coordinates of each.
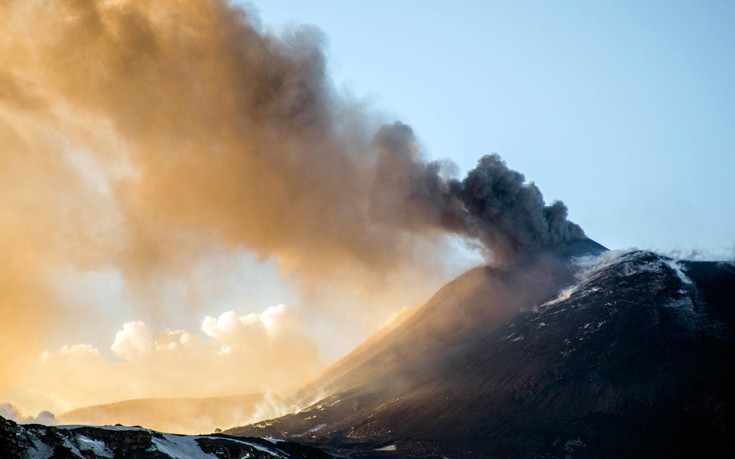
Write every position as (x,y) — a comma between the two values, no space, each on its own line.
(615,355)
(575,353)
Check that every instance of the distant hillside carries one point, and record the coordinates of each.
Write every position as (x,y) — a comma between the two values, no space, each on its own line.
(180,415)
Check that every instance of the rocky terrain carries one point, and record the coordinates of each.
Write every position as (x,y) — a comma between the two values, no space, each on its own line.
(74,442)
(634,358)
(616,354)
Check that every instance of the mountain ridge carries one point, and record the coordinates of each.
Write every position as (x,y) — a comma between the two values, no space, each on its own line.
(88,442)
(623,354)
(630,340)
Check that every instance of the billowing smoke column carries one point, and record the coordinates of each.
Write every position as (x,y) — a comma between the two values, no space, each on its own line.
(493,203)
(511,215)
(238,134)
(139,135)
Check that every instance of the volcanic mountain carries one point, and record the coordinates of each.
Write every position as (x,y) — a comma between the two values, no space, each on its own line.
(575,353)
(620,355)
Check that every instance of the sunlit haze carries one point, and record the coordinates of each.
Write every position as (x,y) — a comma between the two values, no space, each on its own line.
(212,198)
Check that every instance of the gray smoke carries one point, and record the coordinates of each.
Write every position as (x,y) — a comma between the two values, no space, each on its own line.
(493,204)
(509,215)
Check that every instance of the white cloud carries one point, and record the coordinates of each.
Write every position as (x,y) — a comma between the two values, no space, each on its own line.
(270,324)
(9,411)
(231,354)
(135,338)
(279,319)
(171,340)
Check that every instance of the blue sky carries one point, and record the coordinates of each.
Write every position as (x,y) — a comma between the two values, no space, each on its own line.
(623,110)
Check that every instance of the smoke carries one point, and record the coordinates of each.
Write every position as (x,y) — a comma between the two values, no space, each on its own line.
(141,136)
(239,135)
(248,354)
(11,412)
(493,204)
(511,214)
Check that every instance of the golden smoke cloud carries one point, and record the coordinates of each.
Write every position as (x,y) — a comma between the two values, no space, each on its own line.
(141,136)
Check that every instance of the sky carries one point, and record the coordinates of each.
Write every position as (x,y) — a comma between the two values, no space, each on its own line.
(623,110)
(187,186)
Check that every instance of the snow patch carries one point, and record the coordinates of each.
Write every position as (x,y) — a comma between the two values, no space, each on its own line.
(72,448)
(675,265)
(593,263)
(508,336)
(312,430)
(263,449)
(176,446)
(563,295)
(97,447)
(391,447)
(591,268)
(40,449)
(570,446)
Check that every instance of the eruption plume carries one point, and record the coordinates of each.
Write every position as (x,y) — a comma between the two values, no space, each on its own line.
(237,134)
(493,203)
(142,135)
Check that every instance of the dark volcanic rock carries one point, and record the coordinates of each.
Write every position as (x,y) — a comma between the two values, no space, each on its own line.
(86,442)
(634,359)
(10,442)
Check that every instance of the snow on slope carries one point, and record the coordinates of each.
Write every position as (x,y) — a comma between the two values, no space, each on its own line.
(85,442)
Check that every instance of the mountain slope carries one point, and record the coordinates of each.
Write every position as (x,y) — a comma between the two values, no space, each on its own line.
(476,302)
(634,359)
(182,415)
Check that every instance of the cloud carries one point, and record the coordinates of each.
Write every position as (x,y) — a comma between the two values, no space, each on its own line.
(234,354)
(142,137)
(9,411)
(134,338)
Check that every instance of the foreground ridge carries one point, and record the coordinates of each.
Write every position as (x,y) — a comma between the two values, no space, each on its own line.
(86,442)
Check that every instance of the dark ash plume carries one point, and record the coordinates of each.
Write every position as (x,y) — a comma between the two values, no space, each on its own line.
(509,215)
(493,204)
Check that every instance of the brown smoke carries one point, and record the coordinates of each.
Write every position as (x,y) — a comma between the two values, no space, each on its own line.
(143,134)
(238,135)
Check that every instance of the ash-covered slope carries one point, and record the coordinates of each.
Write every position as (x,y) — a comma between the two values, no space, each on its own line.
(636,358)
(42,442)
